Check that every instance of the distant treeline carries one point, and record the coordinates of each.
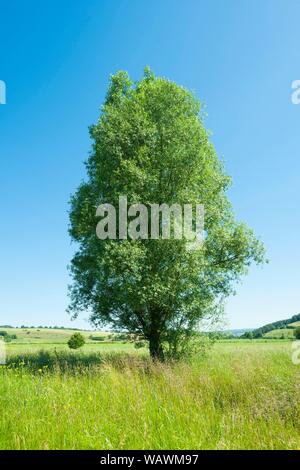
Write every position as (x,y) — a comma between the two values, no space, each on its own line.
(259,332)
(24,327)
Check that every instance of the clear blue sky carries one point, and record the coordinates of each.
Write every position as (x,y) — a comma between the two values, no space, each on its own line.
(239,56)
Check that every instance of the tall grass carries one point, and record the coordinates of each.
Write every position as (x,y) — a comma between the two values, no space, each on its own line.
(73,362)
(236,398)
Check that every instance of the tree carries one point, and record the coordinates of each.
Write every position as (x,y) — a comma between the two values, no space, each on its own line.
(76,341)
(297,332)
(247,335)
(151,145)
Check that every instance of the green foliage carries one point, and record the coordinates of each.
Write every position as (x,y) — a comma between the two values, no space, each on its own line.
(297,332)
(76,341)
(7,337)
(151,145)
(97,338)
(140,344)
(188,345)
(220,335)
(121,337)
(248,335)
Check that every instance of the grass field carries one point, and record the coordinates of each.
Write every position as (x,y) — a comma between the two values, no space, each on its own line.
(47,335)
(34,339)
(19,348)
(281,333)
(241,395)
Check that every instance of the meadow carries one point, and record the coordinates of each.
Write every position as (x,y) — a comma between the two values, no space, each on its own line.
(239,395)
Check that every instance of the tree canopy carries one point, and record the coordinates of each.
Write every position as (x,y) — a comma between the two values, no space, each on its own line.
(150,144)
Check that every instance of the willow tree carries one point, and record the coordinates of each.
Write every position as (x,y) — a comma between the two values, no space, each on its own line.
(150,144)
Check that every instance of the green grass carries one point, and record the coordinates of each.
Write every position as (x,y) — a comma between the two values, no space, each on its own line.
(47,336)
(34,339)
(286,333)
(242,395)
(280,333)
(20,348)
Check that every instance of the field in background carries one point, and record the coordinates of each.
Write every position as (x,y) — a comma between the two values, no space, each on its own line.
(242,394)
(281,333)
(35,339)
(48,335)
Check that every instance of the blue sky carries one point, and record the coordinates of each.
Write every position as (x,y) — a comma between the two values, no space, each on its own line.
(239,56)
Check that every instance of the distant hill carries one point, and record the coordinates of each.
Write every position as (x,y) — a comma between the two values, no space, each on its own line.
(278,329)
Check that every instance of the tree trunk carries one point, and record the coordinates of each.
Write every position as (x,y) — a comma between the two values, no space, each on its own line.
(155,347)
